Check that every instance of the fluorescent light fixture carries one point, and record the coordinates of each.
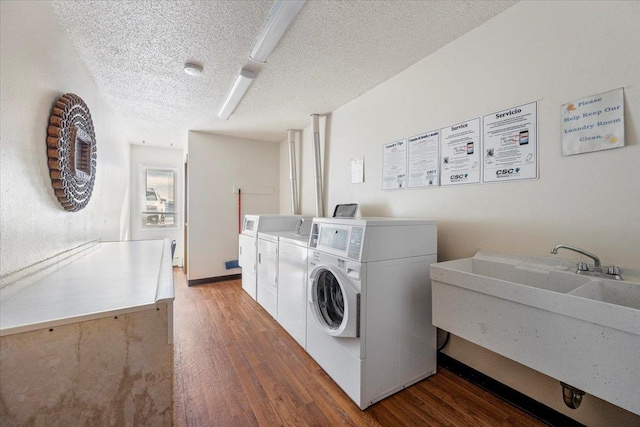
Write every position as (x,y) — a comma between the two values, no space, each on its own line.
(239,89)
(282,14)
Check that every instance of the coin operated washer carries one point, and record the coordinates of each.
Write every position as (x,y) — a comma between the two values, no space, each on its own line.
(369,294)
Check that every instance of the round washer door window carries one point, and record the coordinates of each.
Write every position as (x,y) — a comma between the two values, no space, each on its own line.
(330,299)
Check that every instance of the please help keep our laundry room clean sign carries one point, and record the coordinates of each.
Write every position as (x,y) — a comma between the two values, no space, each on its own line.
(594,123)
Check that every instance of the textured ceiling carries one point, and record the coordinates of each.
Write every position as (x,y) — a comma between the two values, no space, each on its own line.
(334,52)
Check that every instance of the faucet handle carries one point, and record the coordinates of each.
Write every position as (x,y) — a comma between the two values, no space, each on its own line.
(582,266)
(613,270)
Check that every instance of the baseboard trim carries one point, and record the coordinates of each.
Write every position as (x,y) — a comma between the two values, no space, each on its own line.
(532,407)
(209,280)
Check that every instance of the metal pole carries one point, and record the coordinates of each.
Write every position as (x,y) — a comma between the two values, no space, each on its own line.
(292,171)
(318,168)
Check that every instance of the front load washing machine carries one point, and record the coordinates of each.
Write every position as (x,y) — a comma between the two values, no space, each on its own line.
(369,294)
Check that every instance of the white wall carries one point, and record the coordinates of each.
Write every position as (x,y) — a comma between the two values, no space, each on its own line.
(587,200)
(159,157)
(215,164)
(552,52)
(38,64)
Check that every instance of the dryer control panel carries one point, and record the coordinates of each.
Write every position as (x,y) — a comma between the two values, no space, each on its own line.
(248,224)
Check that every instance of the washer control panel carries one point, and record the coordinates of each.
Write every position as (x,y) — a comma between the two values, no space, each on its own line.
(355,242)
(341,240)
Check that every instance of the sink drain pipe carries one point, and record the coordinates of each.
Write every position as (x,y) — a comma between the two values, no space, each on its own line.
(317,164)
(292,171)
(571,395)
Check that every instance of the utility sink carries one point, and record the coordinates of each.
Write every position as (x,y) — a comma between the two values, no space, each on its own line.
(579,329)
(521,273)
(617,293)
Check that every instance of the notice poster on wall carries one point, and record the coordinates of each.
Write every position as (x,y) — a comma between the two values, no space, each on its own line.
(593,123)
(460,153)
(394,165)
(510,139)
(423,160)
(357,170)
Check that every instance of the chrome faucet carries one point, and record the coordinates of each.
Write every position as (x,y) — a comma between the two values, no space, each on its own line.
(583,268)
(596,260)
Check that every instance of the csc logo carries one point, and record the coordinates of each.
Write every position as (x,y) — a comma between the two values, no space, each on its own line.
(458,177)
(507,171)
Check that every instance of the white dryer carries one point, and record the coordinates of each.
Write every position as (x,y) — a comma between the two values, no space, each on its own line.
(274,283)
(292,282)
(248,244)
(369,294)
(267,289)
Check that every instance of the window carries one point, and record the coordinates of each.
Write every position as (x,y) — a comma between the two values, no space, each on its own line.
(158,207)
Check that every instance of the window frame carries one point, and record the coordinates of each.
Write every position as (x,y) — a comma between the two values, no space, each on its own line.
(142,197)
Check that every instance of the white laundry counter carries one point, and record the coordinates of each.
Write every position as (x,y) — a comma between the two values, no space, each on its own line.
(90,341)
(112,278)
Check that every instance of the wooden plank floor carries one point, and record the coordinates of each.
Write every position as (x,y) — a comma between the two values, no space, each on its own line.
(235,366)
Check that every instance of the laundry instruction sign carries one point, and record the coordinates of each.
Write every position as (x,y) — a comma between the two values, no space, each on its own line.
(394,168)
(594,123)
(460,153)
(511,144)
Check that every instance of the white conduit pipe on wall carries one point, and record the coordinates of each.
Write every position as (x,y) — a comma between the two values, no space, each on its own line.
(318,169)
(292,171)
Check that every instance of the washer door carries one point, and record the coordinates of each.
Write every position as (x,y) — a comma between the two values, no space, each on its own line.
(334,303)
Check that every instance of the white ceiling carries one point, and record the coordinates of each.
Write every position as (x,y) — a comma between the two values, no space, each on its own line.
(334,52)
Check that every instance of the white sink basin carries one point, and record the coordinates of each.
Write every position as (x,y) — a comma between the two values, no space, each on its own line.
(579,329)
(617,293)
(521,273)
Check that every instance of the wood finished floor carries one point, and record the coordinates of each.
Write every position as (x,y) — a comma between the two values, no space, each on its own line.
(235,366)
